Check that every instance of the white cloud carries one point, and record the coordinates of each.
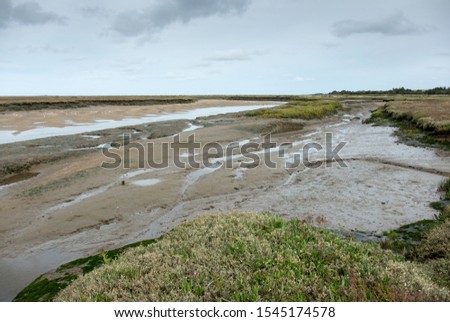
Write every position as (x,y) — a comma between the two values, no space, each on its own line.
(302,79)
(299,79)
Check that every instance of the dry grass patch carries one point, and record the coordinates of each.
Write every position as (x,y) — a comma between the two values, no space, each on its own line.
(428,114)
(254,257)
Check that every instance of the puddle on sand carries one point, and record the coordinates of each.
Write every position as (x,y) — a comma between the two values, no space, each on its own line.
(192,127)
(79,199)
(186,155)
(16,179)
(104,146)
(146,182)
(136,173)
(194,176)
(239,173)
(93,137)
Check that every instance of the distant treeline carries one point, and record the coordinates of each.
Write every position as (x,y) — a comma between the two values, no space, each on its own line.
(398,91)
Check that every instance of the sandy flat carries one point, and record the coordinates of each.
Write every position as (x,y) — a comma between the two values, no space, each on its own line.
(27,120)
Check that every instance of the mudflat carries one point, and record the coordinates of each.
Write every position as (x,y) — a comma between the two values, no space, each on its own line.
(73,207)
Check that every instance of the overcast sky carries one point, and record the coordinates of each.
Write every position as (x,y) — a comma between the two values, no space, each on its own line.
(109,47)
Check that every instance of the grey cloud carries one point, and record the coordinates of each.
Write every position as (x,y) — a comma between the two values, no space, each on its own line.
(31,13)
(94,11)
(164,13)
(5,12)
(394,25)
(28,13)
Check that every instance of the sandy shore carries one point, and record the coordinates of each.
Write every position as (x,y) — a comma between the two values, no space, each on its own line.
(75,208)
(27,120)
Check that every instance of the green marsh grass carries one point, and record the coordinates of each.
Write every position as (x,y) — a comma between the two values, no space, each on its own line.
(298,110)
(254,257)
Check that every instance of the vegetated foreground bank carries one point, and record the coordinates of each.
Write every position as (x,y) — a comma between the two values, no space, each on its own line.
(254,257)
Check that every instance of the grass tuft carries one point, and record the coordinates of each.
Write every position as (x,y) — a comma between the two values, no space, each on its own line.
(445,188)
